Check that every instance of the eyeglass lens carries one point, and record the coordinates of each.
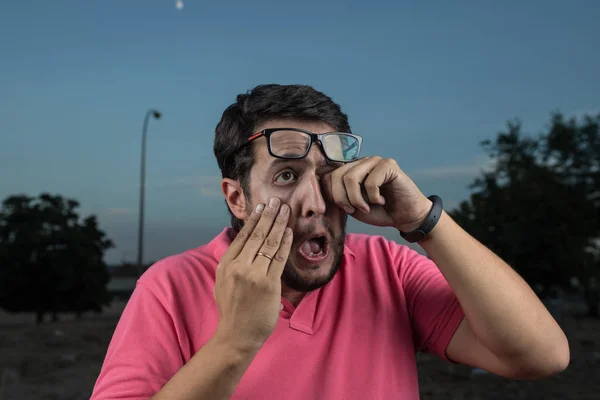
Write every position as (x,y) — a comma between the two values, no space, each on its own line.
(293,144)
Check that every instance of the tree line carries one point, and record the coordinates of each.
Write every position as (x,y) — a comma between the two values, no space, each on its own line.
(537,207)
(51,259)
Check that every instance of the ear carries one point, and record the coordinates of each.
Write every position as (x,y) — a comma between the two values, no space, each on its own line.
(234,195)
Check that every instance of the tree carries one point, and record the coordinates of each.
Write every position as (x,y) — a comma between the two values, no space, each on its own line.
(572,152)
(539,207)
(51,260)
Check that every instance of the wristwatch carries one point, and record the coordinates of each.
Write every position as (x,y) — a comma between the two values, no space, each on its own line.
(427,226)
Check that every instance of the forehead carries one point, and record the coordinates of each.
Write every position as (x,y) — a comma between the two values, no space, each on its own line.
(315,127)
(262,156)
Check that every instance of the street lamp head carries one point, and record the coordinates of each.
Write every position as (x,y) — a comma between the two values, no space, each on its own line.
(156,114)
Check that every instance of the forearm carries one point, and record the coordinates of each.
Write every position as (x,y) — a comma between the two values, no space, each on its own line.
(503,311)
(212,373)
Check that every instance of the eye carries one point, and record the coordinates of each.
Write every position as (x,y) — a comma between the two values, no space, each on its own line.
(285,177)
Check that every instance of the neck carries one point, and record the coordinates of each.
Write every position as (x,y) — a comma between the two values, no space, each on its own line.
(291,295)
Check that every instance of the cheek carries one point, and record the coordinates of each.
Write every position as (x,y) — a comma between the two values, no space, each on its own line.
(287,196)
(293,197)
(264,192)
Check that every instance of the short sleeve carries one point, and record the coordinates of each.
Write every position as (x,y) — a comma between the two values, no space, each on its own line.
(144,352)
(432,305)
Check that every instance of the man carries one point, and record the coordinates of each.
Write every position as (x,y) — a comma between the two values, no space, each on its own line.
(285,305)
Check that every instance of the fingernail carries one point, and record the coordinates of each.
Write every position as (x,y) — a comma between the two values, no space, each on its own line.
(284,209)
(348,210)
(288,231)
(260,208)
(273,202)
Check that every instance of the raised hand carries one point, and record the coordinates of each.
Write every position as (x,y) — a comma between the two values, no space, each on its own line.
(376,191)
(248,281)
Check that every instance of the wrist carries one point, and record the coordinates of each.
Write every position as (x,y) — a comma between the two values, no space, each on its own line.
(421,215)
(427,224)
(234,345)
(435,231)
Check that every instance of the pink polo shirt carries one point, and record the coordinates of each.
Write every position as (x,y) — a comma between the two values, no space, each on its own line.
(355,338)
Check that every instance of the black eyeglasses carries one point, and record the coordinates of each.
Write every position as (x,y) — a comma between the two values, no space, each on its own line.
(292,143)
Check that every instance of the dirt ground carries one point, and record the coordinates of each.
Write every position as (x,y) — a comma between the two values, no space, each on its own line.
(61,361)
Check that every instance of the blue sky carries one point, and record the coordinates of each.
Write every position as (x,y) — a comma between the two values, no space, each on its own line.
(423,82)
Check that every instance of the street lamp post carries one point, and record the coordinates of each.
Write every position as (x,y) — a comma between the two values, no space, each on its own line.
(156,114)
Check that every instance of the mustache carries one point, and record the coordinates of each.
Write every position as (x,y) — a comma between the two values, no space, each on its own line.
(306,230)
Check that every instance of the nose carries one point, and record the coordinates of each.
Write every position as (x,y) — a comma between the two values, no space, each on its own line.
(311,198)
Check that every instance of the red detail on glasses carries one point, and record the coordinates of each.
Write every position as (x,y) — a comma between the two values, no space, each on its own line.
(255,135)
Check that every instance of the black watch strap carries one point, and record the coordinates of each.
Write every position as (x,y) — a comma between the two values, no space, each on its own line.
(427,226)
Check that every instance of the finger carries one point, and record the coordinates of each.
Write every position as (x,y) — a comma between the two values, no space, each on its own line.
(278,264)
(270,246)
(353,183)
(241,238)
(372,185)
(334,186)
(385,171)
(260,232)
(338,194)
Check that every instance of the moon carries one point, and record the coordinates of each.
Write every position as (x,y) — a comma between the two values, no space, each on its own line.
(179,4)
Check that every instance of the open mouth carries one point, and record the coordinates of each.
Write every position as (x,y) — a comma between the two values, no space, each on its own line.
(315,249)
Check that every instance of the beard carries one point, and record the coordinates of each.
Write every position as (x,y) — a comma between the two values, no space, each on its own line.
(296,279)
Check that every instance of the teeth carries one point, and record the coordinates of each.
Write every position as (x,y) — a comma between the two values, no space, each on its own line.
(308,249)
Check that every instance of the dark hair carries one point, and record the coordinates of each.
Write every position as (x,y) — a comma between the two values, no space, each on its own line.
(257,106)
